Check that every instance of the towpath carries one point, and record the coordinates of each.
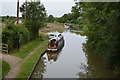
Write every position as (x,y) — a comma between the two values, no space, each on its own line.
(16,62)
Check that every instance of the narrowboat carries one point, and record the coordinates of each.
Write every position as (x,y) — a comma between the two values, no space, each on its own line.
(55,43)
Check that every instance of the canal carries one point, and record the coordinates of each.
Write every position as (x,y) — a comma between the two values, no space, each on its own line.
(74,61)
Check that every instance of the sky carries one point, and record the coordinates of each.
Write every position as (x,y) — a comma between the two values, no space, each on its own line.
(57,8)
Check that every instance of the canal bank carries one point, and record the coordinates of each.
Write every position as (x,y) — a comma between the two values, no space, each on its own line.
(28,56)
(17,64)
(72,62)
(31,61)
(29,77)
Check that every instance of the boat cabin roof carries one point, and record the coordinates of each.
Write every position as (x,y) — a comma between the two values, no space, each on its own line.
(57,36)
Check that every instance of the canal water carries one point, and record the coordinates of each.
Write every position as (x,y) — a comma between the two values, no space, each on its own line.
(74,61)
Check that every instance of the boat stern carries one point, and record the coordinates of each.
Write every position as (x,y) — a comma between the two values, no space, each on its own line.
(52,49)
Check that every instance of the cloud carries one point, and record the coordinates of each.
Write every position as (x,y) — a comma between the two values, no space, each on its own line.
(57,9)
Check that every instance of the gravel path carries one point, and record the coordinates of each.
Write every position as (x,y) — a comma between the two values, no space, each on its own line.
(14,63)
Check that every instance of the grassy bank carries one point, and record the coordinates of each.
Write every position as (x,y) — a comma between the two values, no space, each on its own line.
(54,25)
(5,68)
(26,49)
(31,62)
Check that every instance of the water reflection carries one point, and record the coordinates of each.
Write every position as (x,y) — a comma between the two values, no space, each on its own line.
(84,71)
(53,56)
(77,32)
(96,67)
(40,69)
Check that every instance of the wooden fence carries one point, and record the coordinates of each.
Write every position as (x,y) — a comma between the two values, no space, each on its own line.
(5,48)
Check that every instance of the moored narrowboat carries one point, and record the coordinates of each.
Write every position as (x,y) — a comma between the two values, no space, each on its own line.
(56,43)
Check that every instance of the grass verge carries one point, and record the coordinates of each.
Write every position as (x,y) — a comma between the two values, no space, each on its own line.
(5,68)
(31,62)
(26,49)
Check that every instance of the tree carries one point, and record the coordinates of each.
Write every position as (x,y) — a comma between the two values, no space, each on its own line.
(11,33)
(66,18)
(51,18)
(35,17)
(102,22)
(75,13)
(72,17)
(8,19)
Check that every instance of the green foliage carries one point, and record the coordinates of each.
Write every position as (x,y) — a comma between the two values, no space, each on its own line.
(5,68)
(66,18)
(101,23)
(73,17)
(51,18)
(8,19)
(77,27)
(11,33)
(35,17)
(75,13)
(26,49)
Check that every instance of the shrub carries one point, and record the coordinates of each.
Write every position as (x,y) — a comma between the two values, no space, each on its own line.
(12,33)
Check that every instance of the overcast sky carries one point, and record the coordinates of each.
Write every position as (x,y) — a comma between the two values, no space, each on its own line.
(55,7)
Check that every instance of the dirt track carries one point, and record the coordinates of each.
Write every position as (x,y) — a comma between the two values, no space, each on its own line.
(52,29)
(14,63)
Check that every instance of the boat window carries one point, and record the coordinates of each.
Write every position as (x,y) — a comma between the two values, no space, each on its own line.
(51,35)
(59,35)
